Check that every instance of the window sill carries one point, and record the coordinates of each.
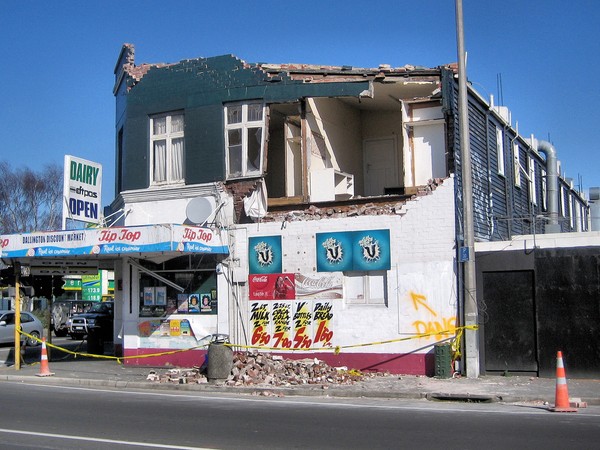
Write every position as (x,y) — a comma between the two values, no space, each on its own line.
(167,185)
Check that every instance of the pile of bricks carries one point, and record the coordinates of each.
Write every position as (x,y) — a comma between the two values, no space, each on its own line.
(178,376)
(255,368)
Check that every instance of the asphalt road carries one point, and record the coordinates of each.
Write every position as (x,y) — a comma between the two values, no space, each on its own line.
(53,417)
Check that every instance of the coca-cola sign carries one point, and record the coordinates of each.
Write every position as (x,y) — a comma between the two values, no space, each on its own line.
(326,285)
(272,286)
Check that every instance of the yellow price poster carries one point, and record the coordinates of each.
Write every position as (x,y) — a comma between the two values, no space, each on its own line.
(175,327)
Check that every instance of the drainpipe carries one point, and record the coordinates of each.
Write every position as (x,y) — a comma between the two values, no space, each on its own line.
(552,186)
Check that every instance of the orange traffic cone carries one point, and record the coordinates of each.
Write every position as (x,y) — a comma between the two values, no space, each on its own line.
(44,369)
(561,403)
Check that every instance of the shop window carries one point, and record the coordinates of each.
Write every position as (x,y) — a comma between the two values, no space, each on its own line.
(366,288)
(159,296)
(244,139)
(167,146)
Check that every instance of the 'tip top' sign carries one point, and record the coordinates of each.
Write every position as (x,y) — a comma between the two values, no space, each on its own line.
(82,190)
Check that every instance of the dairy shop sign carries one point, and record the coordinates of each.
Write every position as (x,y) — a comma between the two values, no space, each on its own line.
(82,190)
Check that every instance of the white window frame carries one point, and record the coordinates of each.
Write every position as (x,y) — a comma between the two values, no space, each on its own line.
(578,217)
(366,288)
(571,212)
(244,127)
(517,164)
(171,159)
(544,191)
(532,181)
(500,150)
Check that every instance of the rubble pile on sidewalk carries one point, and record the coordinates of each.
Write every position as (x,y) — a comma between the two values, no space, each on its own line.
(178,376)
(254,368)
(262,368)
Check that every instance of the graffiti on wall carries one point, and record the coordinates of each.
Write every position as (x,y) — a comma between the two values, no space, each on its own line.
(435,325)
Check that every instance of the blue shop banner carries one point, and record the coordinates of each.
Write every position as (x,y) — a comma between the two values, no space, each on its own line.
(353,251)
(264,254)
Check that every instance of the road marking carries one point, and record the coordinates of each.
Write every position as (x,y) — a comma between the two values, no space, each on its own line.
(300,401)
(104,441)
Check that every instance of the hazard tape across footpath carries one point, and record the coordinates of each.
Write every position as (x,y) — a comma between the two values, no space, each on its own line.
(119,359)
(337,349)
(455,345)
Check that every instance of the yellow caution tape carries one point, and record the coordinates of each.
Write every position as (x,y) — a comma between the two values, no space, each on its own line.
(119,359)
(455,345)
(337,349)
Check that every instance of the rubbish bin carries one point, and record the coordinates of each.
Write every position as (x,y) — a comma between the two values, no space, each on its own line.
(220,361)
(95,343)
(443,360)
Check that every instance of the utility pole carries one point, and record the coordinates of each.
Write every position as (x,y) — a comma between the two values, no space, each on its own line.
(17,269)
(469,309)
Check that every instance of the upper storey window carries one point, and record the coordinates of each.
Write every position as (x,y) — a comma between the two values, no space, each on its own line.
(166,143)
(244,139)
(500,150)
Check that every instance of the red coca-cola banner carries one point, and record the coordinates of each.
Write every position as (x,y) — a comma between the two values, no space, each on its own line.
(272,286)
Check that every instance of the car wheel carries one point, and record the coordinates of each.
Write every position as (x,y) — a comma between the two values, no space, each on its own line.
(60,333)
(33,340)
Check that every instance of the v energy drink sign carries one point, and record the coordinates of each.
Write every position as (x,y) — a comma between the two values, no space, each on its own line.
(82,190)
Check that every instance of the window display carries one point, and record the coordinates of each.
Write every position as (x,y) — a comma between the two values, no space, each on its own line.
(194,273)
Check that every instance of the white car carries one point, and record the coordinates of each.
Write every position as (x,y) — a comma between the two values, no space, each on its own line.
(30,324)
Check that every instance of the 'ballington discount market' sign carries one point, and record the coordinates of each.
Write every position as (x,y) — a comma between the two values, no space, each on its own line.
(82,190)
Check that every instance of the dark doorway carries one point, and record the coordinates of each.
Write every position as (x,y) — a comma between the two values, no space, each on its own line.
(509,318)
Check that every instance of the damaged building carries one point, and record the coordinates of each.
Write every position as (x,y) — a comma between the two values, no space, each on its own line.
(313,210)
(344,181)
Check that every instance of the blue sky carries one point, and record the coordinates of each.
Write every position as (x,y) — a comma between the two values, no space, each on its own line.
(58,60)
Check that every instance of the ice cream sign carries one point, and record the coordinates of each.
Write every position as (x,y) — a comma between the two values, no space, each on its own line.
(82,190)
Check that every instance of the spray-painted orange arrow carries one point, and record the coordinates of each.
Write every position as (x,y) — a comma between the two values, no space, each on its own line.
(421,299)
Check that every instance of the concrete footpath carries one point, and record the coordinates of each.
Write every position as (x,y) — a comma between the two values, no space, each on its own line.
(83,371)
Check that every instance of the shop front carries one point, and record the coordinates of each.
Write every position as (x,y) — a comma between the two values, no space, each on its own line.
(167,287)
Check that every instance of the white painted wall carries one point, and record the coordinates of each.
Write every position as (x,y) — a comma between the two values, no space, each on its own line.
(421,284)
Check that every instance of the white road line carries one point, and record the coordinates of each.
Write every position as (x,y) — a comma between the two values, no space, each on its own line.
(104,441)
(221,396)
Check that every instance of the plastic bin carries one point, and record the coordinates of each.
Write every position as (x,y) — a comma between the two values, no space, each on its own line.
(443,360)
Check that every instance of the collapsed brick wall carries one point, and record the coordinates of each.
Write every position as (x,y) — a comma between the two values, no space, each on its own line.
(371,206)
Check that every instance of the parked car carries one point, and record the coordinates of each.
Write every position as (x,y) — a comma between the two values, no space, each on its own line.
(30,324)
(63,311)
(98,320)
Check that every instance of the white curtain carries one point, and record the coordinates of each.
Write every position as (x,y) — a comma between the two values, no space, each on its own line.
(176,160)
(160,161)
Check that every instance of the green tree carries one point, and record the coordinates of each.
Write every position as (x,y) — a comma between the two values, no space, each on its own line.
(30,201)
